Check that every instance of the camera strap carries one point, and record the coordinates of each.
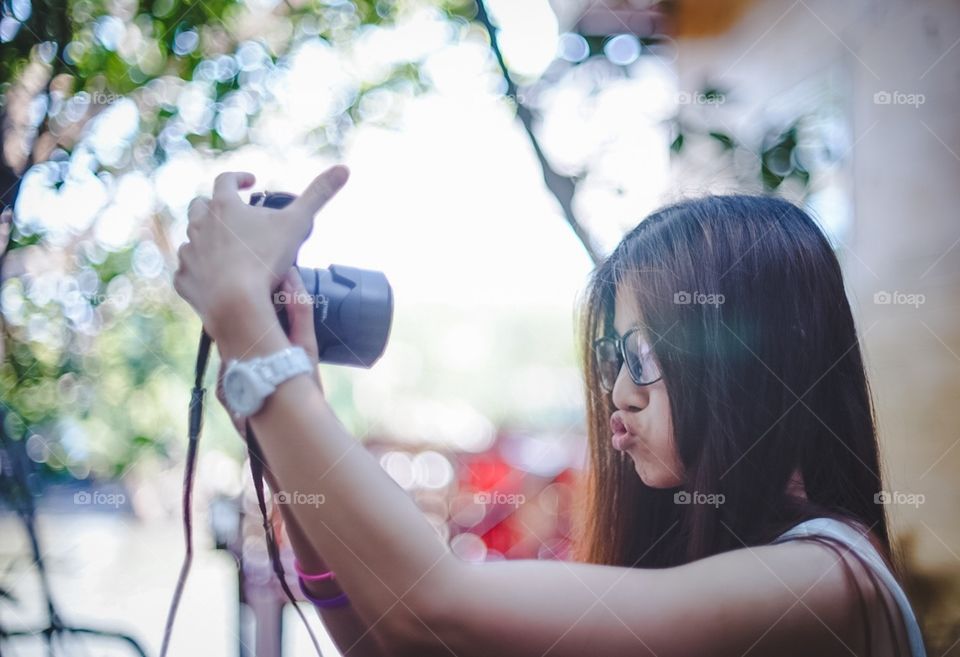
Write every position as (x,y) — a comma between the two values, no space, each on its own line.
(257,464)
(256,470)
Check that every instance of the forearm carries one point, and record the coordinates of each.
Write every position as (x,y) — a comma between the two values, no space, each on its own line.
(353,636)
(386,555)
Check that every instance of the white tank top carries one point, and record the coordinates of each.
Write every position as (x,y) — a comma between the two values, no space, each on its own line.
(860,544)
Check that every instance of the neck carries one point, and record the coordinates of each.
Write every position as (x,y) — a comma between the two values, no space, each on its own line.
(795,485)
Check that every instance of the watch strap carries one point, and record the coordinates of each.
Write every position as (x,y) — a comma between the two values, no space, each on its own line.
(282,365)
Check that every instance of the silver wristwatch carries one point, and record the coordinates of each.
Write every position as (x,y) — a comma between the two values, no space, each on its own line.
(248,383)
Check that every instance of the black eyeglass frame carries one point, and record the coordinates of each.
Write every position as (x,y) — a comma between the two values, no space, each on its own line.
(618,343)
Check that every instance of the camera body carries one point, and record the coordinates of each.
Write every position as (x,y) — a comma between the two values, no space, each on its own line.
(353,308)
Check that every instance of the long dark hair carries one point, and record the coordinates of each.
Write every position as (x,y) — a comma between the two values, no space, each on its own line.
(764,377)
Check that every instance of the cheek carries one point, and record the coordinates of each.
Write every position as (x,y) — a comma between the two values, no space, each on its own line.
(664,467)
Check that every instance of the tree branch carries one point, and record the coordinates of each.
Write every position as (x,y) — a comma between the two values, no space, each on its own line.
(562,187)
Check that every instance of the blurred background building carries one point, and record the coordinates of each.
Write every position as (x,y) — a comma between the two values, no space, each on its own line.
(879,81)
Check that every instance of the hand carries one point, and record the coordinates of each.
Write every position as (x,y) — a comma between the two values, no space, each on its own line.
(237,252)
(302,333)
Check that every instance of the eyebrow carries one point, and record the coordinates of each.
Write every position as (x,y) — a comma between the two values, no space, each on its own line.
(629,328)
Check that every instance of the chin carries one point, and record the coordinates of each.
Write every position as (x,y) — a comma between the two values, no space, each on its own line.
(654,475)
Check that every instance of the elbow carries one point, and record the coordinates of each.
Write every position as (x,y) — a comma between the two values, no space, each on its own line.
(423,626)
(408,640)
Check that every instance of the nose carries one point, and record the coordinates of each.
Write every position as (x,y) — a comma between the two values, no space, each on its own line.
(628,396)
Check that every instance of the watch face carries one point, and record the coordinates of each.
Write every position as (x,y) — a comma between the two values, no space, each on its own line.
(239,390)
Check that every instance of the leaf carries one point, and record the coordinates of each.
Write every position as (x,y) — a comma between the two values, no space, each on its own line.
(726,140)
(677,144)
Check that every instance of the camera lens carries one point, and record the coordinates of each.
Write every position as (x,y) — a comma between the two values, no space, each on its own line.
(353,308)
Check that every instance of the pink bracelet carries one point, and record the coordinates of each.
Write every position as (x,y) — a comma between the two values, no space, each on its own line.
(307,577)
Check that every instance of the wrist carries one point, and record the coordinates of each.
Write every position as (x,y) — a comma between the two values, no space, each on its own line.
(231,300)
(246,326)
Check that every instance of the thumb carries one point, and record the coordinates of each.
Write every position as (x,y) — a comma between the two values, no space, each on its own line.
(300,312)
(321,190)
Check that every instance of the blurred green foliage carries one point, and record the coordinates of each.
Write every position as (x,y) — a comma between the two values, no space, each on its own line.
(97,349)
(763,155)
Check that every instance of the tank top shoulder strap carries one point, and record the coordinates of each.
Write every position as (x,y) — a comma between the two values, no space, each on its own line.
(860,543)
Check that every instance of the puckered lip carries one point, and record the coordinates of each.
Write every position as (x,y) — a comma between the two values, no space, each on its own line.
(619,425)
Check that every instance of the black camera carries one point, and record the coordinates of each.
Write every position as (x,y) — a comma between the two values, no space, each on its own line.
(353,308)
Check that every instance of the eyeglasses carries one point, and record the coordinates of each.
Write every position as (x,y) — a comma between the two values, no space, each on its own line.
(612,353)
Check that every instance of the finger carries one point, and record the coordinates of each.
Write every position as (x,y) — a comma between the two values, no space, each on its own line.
(303,320)
(184,256)
(198,207)
(228,184)
(321,190)
(300,313)
(183,287)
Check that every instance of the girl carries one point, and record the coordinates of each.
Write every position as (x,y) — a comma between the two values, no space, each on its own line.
(733,493)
